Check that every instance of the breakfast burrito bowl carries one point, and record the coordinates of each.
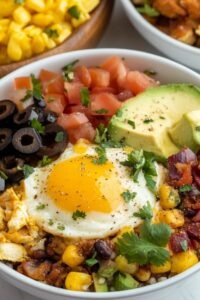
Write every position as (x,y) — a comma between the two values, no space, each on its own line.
(99,175)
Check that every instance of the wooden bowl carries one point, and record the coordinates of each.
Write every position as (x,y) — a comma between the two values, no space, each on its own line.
(86,36)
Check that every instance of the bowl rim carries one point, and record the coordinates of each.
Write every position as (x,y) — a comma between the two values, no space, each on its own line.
(7,272)
(130,7)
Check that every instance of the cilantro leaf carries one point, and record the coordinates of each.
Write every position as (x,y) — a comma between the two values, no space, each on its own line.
(37,126)
(85,96)
(136,161)
(37,88)
(52,33)
(27,170)
(40,206)
(61,227)
(128,196)
(101,156)
(59,137)
(147,121)
(197,128)
(141,251)
(29,94)
(101,111)
(68,71)
(3,175)
(185,188)
(157,234)
(145,213)
(150,182)
(101,134)
(184,245)
(91,261)
(74,12)
(78,214)
(45,161)
(131,123)
(148,10)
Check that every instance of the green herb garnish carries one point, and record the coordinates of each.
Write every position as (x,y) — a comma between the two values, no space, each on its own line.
(40,206)
(78,214)
(197,128)
(131,123)
(148,10)
(45,161)
(101,156)
(61,227)
(185,188)
(37,88)
(74,12)
(59,137)
(51,222)
(101,111)
(29,94)
(85,96)
(150,72)
(52,33)
(184,245)
(147,121)
(27,170)
(128,196)
(91,261)
(3,175)
(68,71)
(37,126)
(145,213)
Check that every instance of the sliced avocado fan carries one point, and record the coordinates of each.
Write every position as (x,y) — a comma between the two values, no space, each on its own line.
(147,120)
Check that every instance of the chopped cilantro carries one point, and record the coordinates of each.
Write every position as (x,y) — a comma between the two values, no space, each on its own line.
(145,212)
(59,137)
(131,123)
(150,182)
(101,156)
(19,1)
(85,96)
(162,118)
(40,206)
(136,162)
(128,196)
(185,188)
(37,88)
(3,175)
(68,71)
(74,12)
(78,214)
(148,247)
(61,227)
(119,113)
(51,222)
(147,121)
(37,126)
(101,134)
(45,161)
(27,170)
(197,128)
(52,33)
(148,10)
(101,111)
(91,261)
(29,94)
(184,245)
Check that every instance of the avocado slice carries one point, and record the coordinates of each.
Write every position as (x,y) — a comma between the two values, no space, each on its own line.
(144,121)
(124,281)
(99,287)
(187,131)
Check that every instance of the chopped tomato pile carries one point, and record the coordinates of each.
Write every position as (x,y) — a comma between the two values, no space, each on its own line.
(83,97)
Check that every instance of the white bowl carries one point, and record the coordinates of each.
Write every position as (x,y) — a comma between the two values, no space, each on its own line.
(168,72)
(181,52)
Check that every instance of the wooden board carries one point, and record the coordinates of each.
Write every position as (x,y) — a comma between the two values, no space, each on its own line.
(86,36)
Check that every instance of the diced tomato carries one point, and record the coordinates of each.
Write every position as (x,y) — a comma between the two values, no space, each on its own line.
(72,120)
(55,102)
(137,82)
(79,108)
(100,78)
(85,131)
(23,83)
(108,89)
(52,82)
(104,101)
(186,174)
(73,92)
(117,69)
(83,74)
(124,95)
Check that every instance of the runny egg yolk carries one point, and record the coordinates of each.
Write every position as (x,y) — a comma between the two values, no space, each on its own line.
(79,184)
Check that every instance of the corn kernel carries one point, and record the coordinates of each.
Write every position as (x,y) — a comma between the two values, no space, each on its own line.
(64,30)
(4,23)
(14,27)
(183,261)
(26,46)
(49,43)
(125,267)
(89,5)
(42,20)
(22,16)
(77,281)
(14,50)
(166,267)
(72,257)
(173,218)
(32,31)
(36,5)
(61,6)
(6,8)
(169,197)
(143,274)
(38,45)
(84,16)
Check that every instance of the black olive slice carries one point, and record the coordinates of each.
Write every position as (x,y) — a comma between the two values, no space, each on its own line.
(23,117)
(12,167)
(41,114)
(39,102)
(26,140)
(5,138)
(7,109)
(51,144)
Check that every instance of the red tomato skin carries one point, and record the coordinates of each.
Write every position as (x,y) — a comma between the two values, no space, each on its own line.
(23,83)
(138,82)
(85,131)
(73,120)
(52,82)
(73,92)
(99,77)
(116,67)
(124,95)
(99,90)
(104,101)
(55,102)
(83,74)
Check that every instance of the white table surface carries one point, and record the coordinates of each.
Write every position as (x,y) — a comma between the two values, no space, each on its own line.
(120,34)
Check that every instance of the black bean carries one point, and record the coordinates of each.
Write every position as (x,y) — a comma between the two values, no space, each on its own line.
(189,212)
(103,249)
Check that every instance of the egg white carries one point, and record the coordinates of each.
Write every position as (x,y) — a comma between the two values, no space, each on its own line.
(95,225)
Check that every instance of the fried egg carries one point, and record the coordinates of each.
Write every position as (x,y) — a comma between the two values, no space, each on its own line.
(75,197)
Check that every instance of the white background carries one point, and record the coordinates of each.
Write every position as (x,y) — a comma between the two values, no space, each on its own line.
(120,34)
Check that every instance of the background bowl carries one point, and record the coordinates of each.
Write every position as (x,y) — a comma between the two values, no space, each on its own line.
(85,36)
(167,72)
(186,54)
